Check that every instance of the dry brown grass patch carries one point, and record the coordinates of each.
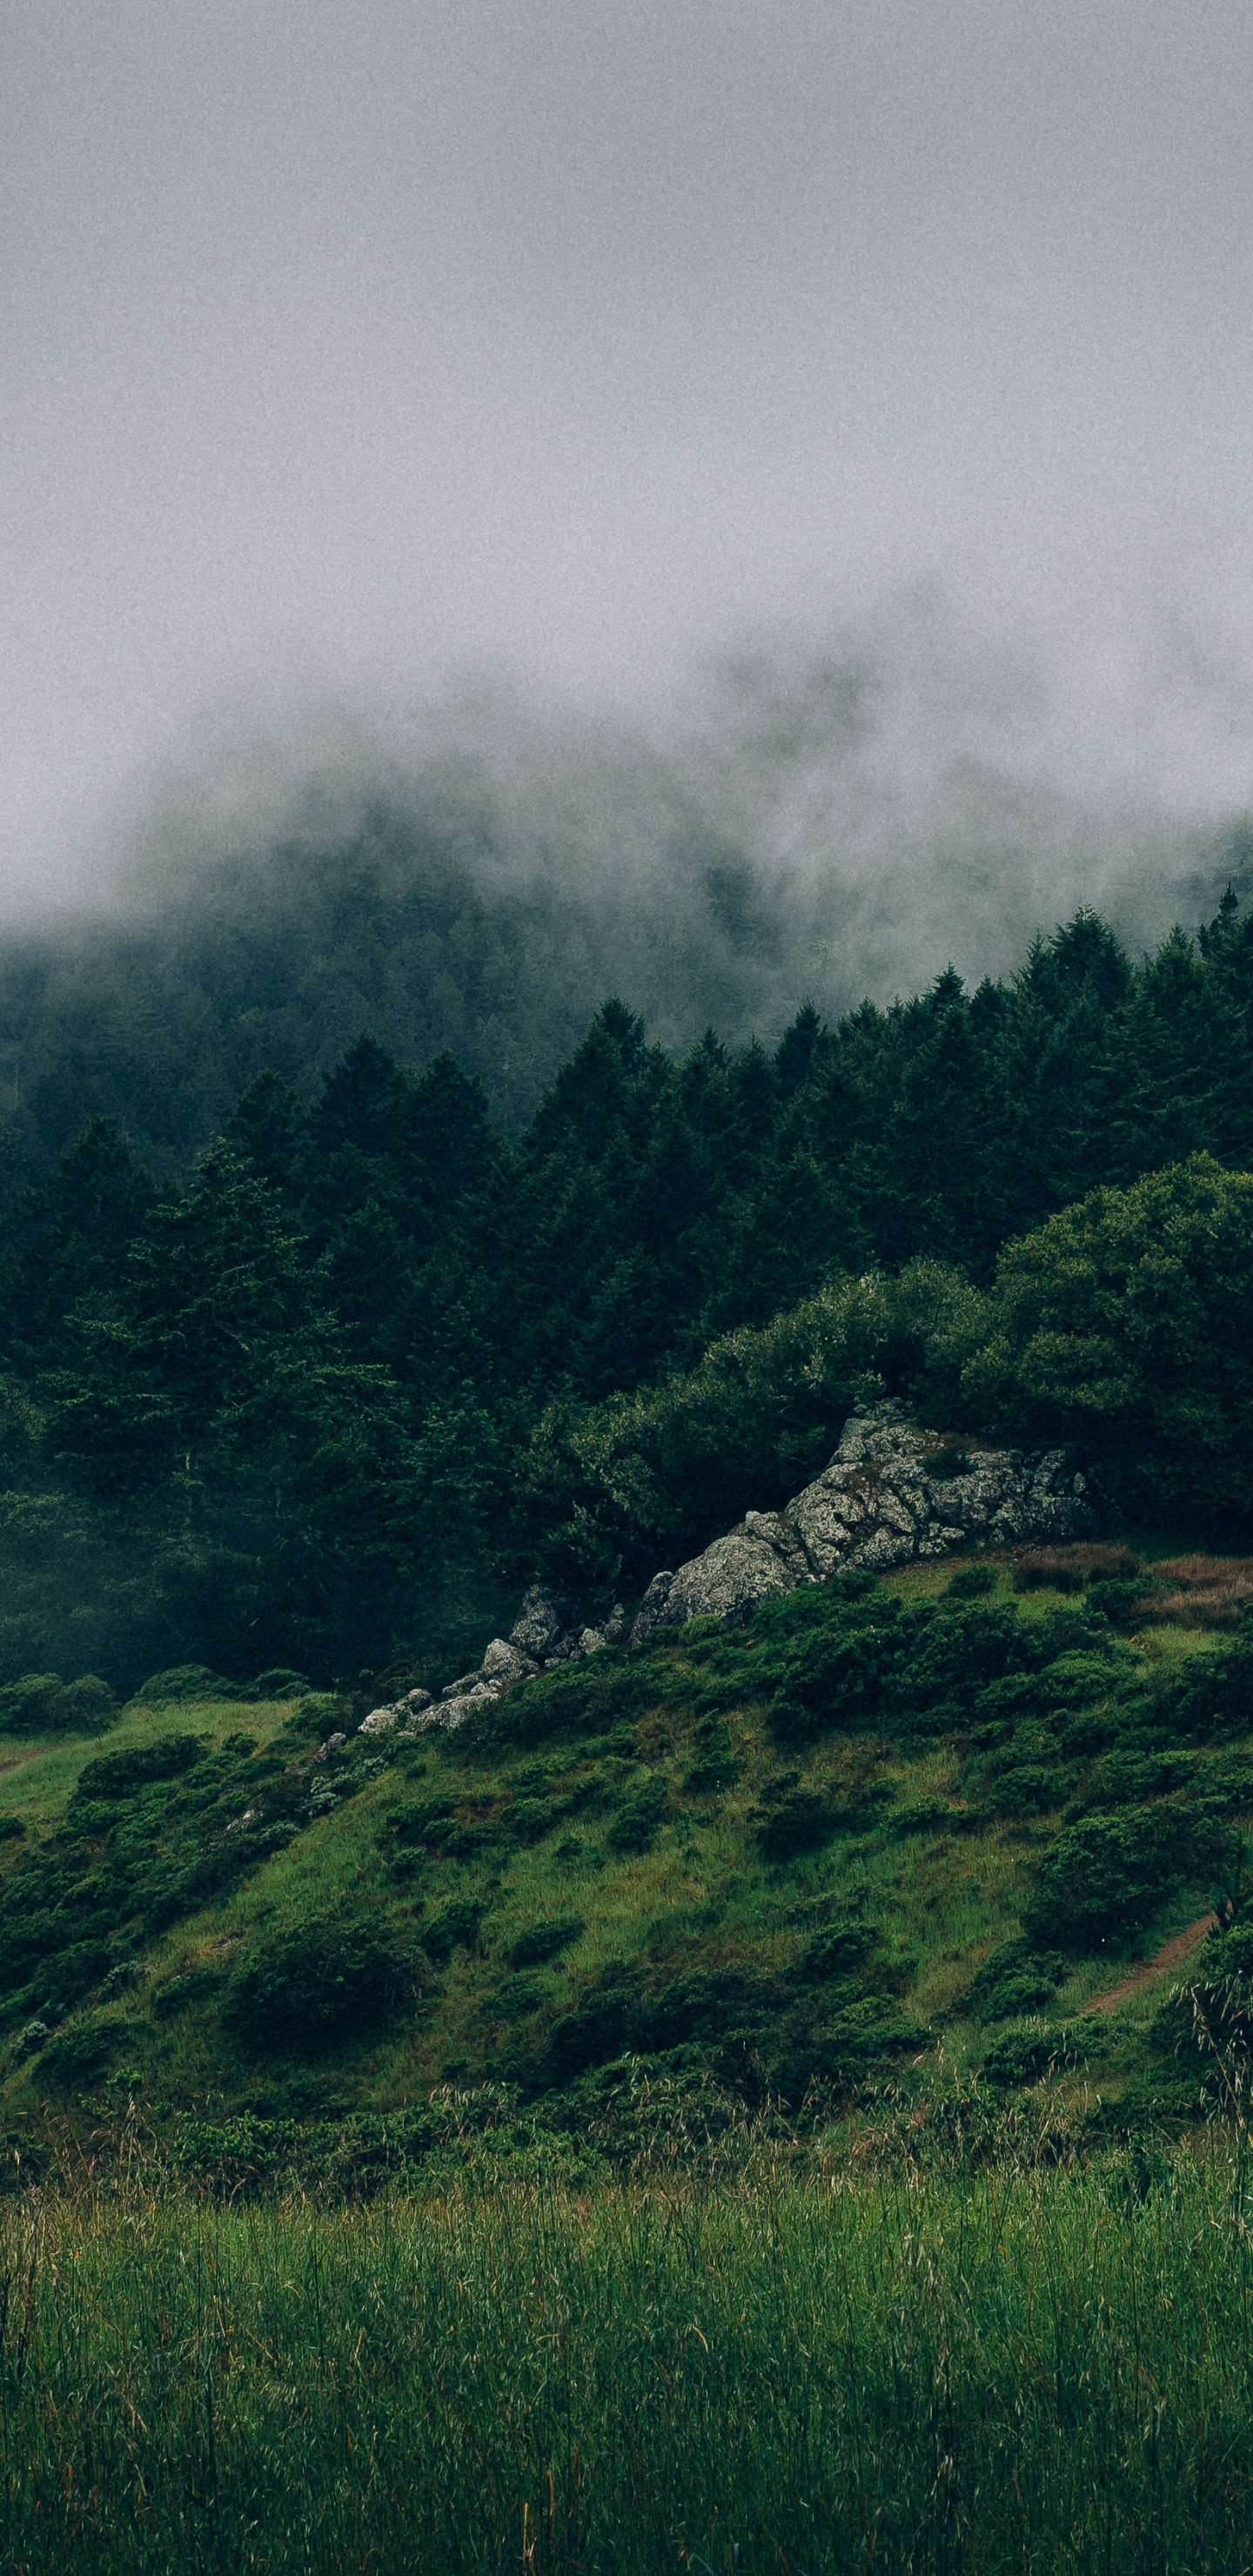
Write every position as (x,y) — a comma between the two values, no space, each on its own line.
(1202,1591)
(1068,1568)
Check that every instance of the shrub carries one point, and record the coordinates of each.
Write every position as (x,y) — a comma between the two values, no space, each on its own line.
(799,1822)
(41,1703)
(638,1821)
(1022,2056)
(183,1682)
(82,2051)
(518,1997)
(1214,1700)
(455,1927)
(1013,1980)
(1104,1875)
(1030,1789)
(971,1583)
(121,1775)
(310,1984)
(640,1480)
(836,1949)
(544,1941)
(195,1986)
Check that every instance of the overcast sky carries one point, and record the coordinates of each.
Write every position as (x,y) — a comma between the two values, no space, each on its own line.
(363,340)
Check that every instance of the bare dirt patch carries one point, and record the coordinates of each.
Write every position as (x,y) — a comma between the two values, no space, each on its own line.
(1169,1956)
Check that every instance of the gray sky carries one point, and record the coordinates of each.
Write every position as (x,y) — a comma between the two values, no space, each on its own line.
(352,344)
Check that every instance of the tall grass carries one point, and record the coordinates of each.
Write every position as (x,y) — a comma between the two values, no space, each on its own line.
(1037,2371)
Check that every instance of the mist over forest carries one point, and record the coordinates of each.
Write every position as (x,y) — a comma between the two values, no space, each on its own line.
(822,816)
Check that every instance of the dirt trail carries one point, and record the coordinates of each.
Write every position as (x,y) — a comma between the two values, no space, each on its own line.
(1160,1965)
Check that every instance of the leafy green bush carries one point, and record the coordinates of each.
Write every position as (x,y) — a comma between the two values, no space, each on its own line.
(78,2054)
(307,1985)
(613,1490)
(640,1818)
(454,1927)
(121,1775)
(184,1682)
(1103,1876)
(971,1583)
(544,1941)
(41,1703)
(1014,1980)
(800,1821)
(1022,2056)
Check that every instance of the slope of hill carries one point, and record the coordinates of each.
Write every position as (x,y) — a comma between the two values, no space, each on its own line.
(901,1829)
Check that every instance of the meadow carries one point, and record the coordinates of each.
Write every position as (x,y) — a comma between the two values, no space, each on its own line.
(1027,2368)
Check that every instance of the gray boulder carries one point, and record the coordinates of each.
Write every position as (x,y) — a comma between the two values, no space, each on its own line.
(893,1493)
(725,1582)
(505,1662)
(540,1624)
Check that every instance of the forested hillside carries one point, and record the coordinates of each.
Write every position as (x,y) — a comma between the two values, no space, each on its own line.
(337,1399)
(290,1441)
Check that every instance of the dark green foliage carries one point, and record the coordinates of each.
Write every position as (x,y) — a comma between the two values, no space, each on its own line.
(1214,1700)
(1014,1980)
(797,1820)
(836,1949)
(182,1682)
(544,1941)
(42,1704)
(971,1583)
(1022,2056)
(1125,1322)
(311,1985)
(329,1407)
(1105,1876)
(639,1819)
(454,1927)
(179,1994)
(79,2055)
(717,1766)
(120,1775)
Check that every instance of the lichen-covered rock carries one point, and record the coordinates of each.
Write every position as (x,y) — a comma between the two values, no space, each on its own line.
(725,1582)
(893,1493)
(505,1662)
(379,1722)
(542,1621)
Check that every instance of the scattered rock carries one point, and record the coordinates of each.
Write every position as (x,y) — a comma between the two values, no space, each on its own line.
(894,1492)
(379,1722)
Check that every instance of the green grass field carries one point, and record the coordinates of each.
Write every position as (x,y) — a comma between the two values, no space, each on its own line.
(1029,2370)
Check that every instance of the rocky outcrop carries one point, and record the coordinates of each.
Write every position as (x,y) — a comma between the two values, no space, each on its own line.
(893,1493)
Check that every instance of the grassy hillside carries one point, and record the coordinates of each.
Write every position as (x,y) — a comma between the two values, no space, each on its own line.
(902,1831)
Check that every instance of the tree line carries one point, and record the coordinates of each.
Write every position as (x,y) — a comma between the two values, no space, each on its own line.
(345,1391)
